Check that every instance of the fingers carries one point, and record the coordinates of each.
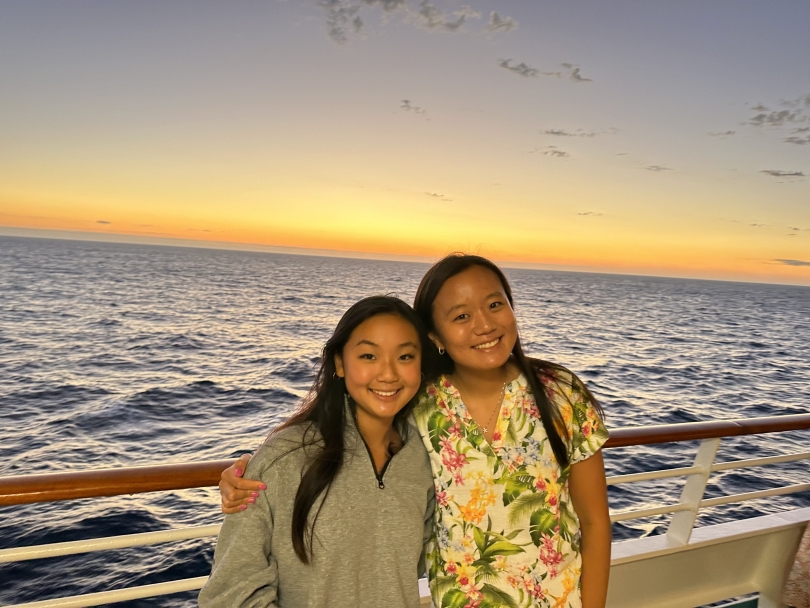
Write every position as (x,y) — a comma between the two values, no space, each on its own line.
(236,492)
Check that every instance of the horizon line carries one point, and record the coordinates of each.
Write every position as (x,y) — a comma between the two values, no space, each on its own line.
(132,239)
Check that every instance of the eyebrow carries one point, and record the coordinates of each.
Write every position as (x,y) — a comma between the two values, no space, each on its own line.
(370,343)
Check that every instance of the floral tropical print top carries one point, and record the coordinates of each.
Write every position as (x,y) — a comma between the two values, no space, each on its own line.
(506,532)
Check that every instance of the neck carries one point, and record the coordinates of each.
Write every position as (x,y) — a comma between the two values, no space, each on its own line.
(483,380)
(376,432)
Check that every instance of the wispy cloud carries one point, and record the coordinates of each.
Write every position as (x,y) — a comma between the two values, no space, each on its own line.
(753,225)
(658,168)
(388,6)
(500,24)
(341,17)
(439,196)
(430,17)
(793,262)
(406,105)
(520,69)
(591,213)
(573,73)
(778,173)
(577,133)
(793,112)
(795,139)
(720,133)
(553,151)
(104,222)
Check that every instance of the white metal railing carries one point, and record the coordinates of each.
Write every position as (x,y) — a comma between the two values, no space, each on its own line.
(679,531)
(686,510)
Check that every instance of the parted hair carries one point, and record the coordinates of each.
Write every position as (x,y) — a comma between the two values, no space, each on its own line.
(533,369)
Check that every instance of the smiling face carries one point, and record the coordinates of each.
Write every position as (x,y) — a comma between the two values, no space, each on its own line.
(382,366)
(473,320)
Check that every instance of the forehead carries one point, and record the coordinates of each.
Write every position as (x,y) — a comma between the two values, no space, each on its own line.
(384,329)
(474,283)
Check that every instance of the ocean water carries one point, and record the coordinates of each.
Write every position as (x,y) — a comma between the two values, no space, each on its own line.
(116,355)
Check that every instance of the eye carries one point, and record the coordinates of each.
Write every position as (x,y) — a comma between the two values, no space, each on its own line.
(367,356)
(461,317)
(407,357)
(496,305)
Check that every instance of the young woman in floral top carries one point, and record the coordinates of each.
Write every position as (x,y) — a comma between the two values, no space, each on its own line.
(514,445)
(521,517)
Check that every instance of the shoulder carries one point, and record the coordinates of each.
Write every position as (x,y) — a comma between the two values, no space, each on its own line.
(553,373)
(287,447)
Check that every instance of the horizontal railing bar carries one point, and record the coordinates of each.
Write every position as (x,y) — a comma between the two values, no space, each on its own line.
(646,476)
(756,462)
(50,487)
(688,431)
(723,500)
(119,595)
(18,554)
(625,515)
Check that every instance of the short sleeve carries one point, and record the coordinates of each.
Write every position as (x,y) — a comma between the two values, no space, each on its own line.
(586,430)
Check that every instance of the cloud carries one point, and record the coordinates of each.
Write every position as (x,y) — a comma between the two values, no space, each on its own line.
(520,69)
(406,106)
(430,17)
(592,213)
(720,133)
(759,108)
(793,262)
(801,130)
(105,222)
(340,18)
(500,24)
(777,173)
(776,118)
(388,6)
(577,133)
(756,225)
(439,196)
(658,168)
(573,72)
(801,141)
(553,151)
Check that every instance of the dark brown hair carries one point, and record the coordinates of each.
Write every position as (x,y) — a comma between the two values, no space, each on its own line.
(533,369)
(323,413)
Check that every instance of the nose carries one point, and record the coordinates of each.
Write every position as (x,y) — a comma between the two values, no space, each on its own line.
(388,371)
(482,323)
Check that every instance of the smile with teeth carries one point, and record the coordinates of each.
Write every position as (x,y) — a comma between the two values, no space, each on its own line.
(488,344)
(384,393)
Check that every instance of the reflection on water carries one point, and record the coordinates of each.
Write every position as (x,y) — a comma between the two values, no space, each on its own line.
(115,355)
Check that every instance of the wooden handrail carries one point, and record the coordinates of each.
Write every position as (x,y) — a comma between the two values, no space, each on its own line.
(49,487)
(688,431)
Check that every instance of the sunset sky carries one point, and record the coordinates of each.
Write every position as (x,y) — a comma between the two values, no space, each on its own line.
(657,138)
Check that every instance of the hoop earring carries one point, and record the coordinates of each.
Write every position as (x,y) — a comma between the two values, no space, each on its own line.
(441,350)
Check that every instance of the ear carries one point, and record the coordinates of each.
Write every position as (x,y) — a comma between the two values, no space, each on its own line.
(341,373)
(435,339)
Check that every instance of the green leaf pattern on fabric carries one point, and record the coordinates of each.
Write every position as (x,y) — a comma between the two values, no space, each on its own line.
(506,534)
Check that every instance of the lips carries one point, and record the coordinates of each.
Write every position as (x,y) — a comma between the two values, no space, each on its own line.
(488,344)
(385,393)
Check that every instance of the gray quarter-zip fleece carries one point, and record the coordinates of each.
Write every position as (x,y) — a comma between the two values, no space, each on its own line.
(369,537)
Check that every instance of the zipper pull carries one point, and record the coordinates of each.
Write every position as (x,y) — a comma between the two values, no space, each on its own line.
(380,483)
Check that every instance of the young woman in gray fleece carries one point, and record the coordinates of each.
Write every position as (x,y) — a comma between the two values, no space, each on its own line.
(350,497)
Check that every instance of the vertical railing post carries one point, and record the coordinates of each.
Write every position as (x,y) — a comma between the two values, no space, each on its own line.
(682,523)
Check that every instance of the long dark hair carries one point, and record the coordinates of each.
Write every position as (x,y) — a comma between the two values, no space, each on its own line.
(323,413)
(532,368)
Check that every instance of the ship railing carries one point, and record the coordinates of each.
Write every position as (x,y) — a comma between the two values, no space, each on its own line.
(26,489)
